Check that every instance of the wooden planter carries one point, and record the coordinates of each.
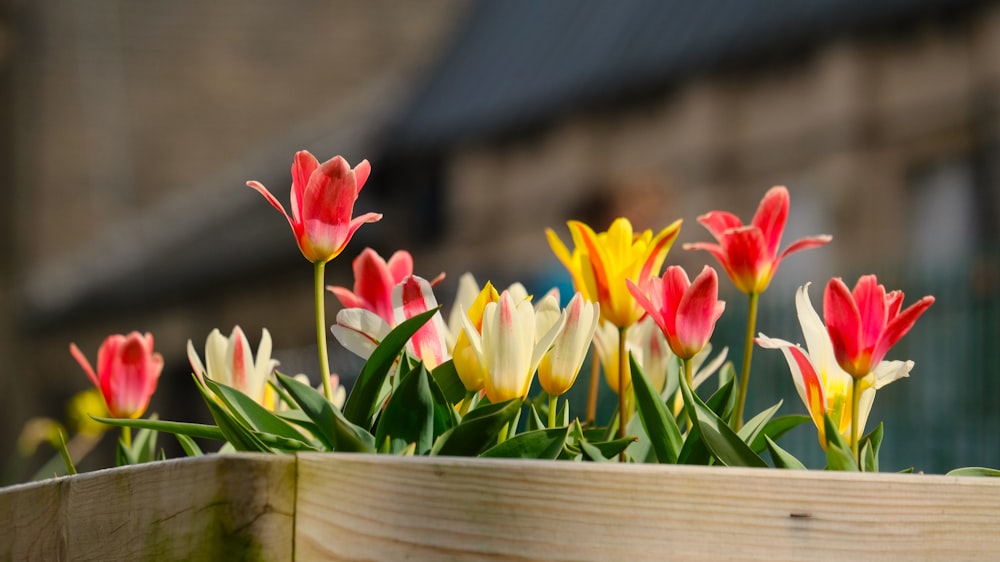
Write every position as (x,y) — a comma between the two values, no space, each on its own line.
(365,507)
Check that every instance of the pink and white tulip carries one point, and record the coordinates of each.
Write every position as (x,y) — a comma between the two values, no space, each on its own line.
(685,311)
(560,366)
(230,361)
(322,204)
(127,372)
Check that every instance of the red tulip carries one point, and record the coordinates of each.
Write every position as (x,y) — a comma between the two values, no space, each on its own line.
(323,197)
(127,371)
(686,312)
(374,279)
(864,324)
(749,253)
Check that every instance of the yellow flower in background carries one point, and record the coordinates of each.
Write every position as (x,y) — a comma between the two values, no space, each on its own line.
(600,263)
(82,408)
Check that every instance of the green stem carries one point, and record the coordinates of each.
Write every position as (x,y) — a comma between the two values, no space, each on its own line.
(622,389)
(553,402)
(855,403)
(741,397)
(127,437)
(324,361)
(689,378)
(595,374)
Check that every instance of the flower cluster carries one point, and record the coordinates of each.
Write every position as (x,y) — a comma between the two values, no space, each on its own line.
(463,387)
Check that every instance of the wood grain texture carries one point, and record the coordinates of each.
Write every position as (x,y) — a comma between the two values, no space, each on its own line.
(223,507)
(366,507)
(357,507)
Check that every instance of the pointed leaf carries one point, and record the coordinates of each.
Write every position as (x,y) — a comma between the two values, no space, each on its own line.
(753,428)
(332,428)
(538,444)
(974,471)
(776,428)
(610,449)
(838,452)
(200,431)
(664,435)
(238,435)
(363,402)
(478,430)
(447,378)
(725,445)
(781,457)
(409,415)
(253,414)
(191,448)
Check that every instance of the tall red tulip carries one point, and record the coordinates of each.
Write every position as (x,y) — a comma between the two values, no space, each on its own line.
(749,253)
(323,197)
(865,323)
(127,372)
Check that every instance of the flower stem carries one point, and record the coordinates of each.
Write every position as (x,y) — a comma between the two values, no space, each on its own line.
(741,396)
(127,437)
(855,403)
(689,377)
(595,373)
(324,361)
(622,389)
(553,402)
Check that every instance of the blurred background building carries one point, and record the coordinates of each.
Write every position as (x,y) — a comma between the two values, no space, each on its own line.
(132,128)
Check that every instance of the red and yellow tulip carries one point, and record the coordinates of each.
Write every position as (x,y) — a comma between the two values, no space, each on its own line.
(865,323)
(749,253)
(825,387)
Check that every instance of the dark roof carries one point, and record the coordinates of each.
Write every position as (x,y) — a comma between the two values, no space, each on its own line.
(520,61)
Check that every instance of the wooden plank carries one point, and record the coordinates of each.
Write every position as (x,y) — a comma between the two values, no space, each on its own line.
(220,507)
(32,521)
(363,507)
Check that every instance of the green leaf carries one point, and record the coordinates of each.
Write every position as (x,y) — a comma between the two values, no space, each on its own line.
(776,428)
(191,448)
(538,444)
(197,430)
(609,449)
(753,428)
(973,471)
(870,445)
(781,457)
(144,445)
(252,414)
(448,380)
(723,402)
(239,436)
(123,455)
(592,453)
(409,415)
(363,402)
(838,453)
(478,430)
(725,445)
(664,435)
(535,421)
(332,428)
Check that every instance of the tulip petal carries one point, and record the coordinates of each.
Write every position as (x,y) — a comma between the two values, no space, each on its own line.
(718,222)
(771,216)
(843,324)
(697,312)
(899,326)
(359,331)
